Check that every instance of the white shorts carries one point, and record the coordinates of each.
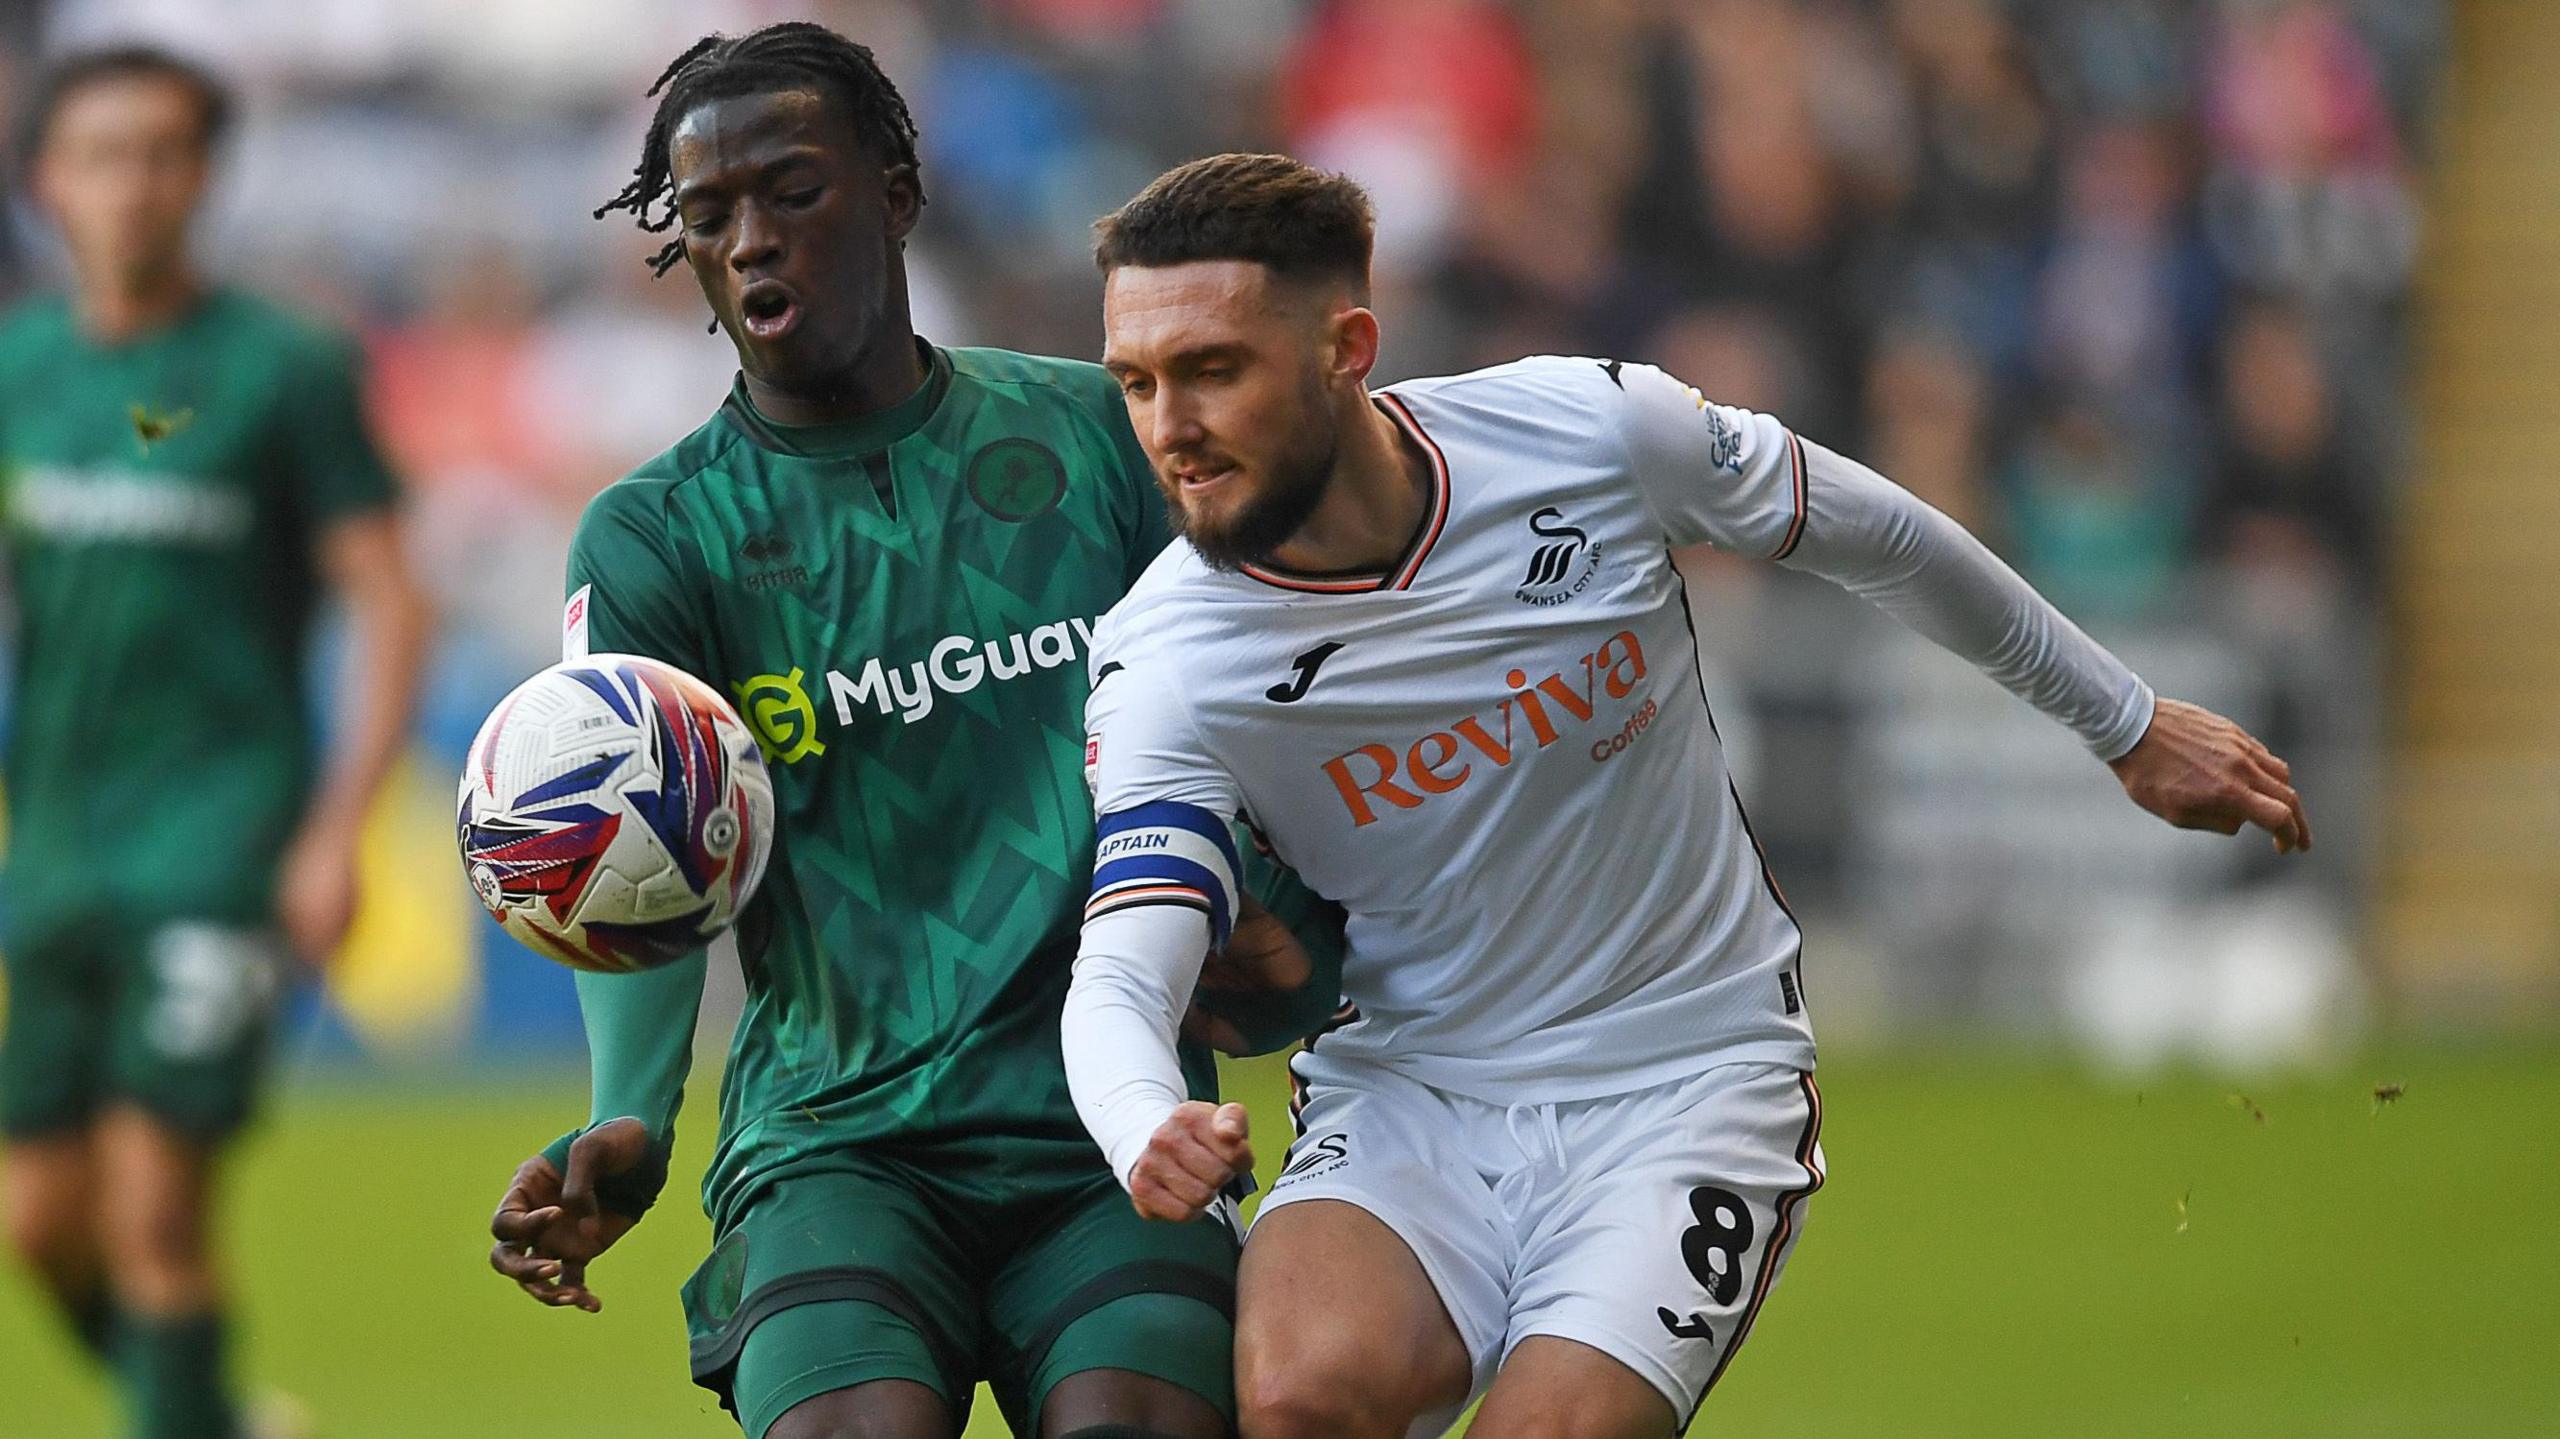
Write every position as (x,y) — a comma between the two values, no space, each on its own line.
(1649,1225)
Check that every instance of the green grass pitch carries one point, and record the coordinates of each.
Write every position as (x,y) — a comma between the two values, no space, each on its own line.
(2006,1247)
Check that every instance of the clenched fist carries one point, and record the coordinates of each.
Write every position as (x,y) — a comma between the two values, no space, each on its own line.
(1195,1153)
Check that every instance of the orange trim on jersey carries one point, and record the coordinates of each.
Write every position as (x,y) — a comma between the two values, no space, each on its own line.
(1795,530)
(1346,585)
(1145,894)
(1412,567)
(1406,570)
(1808,1150)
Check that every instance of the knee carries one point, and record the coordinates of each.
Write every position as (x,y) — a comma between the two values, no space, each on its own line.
(881,1409)
(821,1418)
(1311,1396)
(157,1257)
(156,1235)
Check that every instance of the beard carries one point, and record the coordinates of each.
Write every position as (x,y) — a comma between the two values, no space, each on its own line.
(1263,523)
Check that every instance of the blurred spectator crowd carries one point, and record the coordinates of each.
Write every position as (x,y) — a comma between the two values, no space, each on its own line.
(2119,283)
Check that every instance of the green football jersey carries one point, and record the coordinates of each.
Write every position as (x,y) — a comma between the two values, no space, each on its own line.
(162,498)
(901,608)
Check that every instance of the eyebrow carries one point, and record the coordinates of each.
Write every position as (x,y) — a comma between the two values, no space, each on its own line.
(1191,358)
(796,156)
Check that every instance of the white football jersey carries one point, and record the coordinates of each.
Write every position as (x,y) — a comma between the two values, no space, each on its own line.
(1497,757)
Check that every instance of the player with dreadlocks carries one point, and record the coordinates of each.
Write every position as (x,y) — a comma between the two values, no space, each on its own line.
(890,552)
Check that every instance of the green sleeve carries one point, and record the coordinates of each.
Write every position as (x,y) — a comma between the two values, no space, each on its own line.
(639,1049)
(328,450)
(639,1026)
(627,561)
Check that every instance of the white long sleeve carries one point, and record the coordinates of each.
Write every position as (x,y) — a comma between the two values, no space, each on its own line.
(1134,974)
(1880,542)
(1745,483)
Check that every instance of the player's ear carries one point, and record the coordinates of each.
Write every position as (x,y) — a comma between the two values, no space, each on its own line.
(1355,343)
(902,194)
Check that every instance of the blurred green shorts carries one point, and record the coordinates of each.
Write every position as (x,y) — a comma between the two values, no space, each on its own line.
(878,1268)
(172,1015)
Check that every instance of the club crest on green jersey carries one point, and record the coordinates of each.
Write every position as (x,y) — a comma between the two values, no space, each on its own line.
(1017,480)
(778,713)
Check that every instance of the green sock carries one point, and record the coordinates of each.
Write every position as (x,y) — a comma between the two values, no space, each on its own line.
(173,1377)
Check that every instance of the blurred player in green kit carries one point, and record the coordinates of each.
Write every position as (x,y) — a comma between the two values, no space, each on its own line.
(891,554)
(185,474)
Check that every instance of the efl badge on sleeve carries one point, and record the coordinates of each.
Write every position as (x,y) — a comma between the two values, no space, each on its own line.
(573,625)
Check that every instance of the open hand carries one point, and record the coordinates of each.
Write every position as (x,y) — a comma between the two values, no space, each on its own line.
(549,1226)
(2197,770)
(1194,1154)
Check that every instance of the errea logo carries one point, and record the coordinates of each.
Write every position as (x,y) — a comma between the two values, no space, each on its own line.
(773,554)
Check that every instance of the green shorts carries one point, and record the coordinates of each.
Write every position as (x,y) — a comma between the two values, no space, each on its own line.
(881,1268)
(172,1015)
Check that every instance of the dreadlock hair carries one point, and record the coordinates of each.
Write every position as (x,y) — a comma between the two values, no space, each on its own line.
(793,54)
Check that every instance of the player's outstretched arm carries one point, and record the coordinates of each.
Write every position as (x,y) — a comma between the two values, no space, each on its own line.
(2183,763)
(1747,484)
(2197,770)
(640,1041)
(569,1203)
(551,1224)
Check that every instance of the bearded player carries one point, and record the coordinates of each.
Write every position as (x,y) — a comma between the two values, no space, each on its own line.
(891,554)
(187,472)
(1431,642)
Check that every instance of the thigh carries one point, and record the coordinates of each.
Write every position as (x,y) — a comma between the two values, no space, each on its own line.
(156,1183)
(155,1187)
(1110,1318)
(827,1281)
(53,1042)
(1671,1222)
(863,1409)
(1380,1237)
(195,1005)
(1340,1319)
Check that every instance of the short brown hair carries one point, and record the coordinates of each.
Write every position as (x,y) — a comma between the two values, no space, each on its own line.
(72,73)
(1298,221)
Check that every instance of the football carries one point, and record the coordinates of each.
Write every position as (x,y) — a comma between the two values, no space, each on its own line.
(615,814)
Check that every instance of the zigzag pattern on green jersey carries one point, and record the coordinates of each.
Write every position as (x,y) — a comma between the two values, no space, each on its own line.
(911,946)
